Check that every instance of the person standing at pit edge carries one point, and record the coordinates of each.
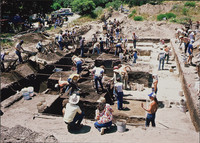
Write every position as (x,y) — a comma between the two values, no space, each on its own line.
(134,40)
(18,49)
(151,115)
(82,44)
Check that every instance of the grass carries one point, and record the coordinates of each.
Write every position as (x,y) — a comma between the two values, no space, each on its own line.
(190,4)
(138,18)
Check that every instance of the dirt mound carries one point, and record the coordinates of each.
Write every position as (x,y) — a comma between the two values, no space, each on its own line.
(32,37)
(155,9)
(22,134)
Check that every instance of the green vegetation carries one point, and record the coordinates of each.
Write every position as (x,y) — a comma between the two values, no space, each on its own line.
(114,4)
(190,4)
(161,17)
(185,11)
(170,15)
(98,11)
(138,18)
(84,7)
(132,13)
(166,15)
(56,6)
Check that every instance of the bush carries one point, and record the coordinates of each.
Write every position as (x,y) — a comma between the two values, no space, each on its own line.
(56,6)
(98,11)
(130,15)
(184,11)
(133,11)
(83,6)
(161,17)
(115,4)
(190,4)
(138,18)
(170,15)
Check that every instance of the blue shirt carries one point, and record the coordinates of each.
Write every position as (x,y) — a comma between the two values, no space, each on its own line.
(2,56)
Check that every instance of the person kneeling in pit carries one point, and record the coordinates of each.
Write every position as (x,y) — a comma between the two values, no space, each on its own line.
(103,116)
(72,80)
(73,114)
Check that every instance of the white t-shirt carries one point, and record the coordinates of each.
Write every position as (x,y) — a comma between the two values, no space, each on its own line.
(191,35)
(18,46)
(60,38)
(162,54)
(70,112)
(95,46)
(77,59)
(98,71)
(119,85)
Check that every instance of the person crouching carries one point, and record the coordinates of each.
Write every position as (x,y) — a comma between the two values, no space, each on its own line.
(103,116)
(72,113)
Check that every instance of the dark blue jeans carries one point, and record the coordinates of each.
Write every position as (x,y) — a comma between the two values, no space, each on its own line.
(118,50)
(96,80)
(79,66)
(19,56)
(134,44)
(82,51)
(150,118)
(78,118)
(120,100)
(99,126)
(60,45)
(161,61)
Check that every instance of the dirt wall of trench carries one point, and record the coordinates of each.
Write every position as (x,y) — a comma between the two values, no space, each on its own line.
(194,114)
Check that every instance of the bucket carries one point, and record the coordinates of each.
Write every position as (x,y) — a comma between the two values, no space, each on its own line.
(183,106)
(139,87)
(121,125)
(180,93)
(134,86)
(31,91)
(25,93)
(121,56)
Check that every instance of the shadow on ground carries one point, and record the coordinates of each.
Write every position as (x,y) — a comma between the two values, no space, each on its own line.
(85,129)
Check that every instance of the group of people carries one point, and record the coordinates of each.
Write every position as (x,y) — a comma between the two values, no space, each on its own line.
(187,37)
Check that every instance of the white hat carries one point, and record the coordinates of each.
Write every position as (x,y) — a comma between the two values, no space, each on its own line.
(101,100)
(116,70)
(74,99)
(189,30)
(56,85)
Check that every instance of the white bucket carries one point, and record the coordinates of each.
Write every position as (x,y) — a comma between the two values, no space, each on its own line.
(134,86)
(180,93)
(25,93)
(139,87)
(183,106)
(31,91)
(121,125)
(121,56)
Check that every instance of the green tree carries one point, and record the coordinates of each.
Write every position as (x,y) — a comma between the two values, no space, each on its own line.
(83,6)
(56,6)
